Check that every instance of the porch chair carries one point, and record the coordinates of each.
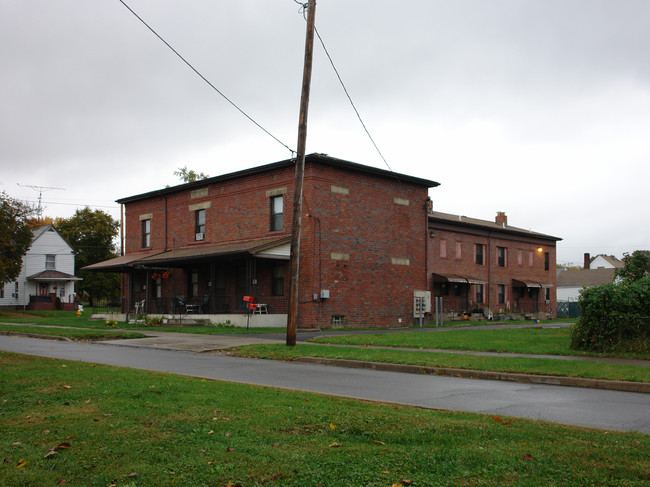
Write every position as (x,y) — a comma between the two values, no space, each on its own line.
(139,307)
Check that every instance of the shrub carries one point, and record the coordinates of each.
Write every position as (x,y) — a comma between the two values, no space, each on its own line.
(152,321)
(614,317)
(110,324)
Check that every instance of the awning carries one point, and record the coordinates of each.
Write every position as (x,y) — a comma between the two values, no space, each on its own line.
(52,275)
(457,278)
(520,283)
(117,264)
(269,248)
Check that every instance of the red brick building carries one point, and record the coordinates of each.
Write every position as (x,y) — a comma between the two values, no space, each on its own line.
(366,246)
(478,265)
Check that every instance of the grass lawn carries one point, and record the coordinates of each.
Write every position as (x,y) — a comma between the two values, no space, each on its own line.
(547,341)
(522,365)
(70,319)
(82,424)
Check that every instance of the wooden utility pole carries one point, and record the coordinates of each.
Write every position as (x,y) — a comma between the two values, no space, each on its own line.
(294,260)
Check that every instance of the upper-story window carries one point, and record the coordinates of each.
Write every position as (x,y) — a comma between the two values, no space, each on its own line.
(276,212)
(478,253)
(501,256)
(547,261)
(459,250)
(443,249)
(199,227)
(146,233)
(50,261)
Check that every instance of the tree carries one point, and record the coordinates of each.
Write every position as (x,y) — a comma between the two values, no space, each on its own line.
(189,175)
(635,266)
(15,236)
(92,233)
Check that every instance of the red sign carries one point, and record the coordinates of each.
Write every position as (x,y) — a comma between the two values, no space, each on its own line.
(249,299)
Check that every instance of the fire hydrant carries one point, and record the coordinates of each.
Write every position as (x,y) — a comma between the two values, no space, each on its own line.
(78,313)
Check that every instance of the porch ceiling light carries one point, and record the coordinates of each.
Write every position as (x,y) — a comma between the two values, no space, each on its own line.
(540,250)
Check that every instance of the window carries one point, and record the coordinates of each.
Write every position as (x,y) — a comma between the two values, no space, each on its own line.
(520,257)
(530,258)
(276,212)
(459,250)
(501,256)
(2,292)
(200,224)
(479,293)
(547,260)
(478,253)
(62,291)
(277,281)
(443,249)
(146,233)
(547,295)
(50,261)
(501,288)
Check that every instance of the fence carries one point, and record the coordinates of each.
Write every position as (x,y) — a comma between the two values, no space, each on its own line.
(568,309)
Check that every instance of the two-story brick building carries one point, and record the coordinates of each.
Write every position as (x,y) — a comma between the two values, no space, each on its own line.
(366,246)
(491,266)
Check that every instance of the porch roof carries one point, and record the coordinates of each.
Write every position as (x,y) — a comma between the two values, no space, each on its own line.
(260,248)
(457,278)
(527,283)
(118,263)
(52,275)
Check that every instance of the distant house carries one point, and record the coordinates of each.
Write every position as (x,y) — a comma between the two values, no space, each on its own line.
(596,271)
(47,274)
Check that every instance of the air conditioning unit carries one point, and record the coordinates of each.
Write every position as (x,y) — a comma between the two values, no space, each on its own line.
(199,236)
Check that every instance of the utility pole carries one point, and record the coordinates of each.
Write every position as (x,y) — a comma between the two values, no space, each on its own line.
(294,260)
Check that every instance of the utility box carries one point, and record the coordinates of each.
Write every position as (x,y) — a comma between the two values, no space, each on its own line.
(421,303)
(324,293)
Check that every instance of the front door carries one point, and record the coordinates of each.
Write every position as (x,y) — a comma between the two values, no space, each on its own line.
(43,288)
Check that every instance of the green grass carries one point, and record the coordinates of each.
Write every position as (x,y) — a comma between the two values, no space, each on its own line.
(522,365)
(70,319)
(545,341)
(97,426)
(72,333)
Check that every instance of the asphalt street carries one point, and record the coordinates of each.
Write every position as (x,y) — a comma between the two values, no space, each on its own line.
(627,411)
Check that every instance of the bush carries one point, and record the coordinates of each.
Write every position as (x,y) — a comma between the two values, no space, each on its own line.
(614,318)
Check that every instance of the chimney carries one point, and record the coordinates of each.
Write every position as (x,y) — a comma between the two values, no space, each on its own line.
(587,261)
(501,218)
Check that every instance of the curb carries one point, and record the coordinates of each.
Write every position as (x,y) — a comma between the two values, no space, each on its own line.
(612,385)
(35,335)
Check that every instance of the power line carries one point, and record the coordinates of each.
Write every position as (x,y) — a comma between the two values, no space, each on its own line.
(205,79)
(350,99)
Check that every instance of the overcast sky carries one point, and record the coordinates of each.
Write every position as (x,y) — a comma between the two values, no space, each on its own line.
(537,108)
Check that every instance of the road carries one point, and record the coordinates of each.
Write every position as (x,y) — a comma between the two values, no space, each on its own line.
(626,411)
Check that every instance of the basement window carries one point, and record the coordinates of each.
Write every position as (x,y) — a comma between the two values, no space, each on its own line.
(338,320)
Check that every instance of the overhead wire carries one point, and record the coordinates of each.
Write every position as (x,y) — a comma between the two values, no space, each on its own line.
(350,99)
(205,79)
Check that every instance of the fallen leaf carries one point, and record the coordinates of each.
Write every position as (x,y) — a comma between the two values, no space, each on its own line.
(21,463)
(332,426)
(228,435)
(276,445)
(67,387)
(335,445)
(405,481)
(49,453)
(61,482)
(45,432)
(397,485)
(132,474)
(527,456)
(379,442)
(230,449)
(88,400)
(203,451)
(385,471)
(16,443)
(211,432)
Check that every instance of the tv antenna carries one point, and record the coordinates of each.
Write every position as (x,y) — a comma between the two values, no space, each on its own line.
(40,190)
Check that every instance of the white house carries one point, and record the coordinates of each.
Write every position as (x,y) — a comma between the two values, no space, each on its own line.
(47,273)
(596,271)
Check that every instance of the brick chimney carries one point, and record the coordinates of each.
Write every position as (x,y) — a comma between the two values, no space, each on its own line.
(587,261)
(501,218)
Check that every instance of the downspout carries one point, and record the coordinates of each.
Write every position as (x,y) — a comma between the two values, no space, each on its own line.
(427,205)
(166,247)
(489,263)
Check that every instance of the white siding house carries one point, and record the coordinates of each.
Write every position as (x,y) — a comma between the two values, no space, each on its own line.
(47,273)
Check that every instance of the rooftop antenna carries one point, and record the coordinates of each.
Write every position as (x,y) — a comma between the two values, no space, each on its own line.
(40,190)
